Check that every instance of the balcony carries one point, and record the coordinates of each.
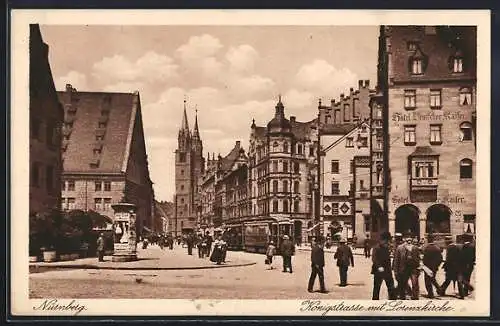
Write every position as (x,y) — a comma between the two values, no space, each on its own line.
(424,183)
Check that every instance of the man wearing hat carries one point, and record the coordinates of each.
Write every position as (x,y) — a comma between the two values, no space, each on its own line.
(431,261)
(100,247)
(468,260)
(344,257)
(381,267)
(287,249)
(406,267)
(453,267)
(317,264)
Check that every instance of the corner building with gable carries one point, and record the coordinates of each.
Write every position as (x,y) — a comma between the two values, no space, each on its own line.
(427,84)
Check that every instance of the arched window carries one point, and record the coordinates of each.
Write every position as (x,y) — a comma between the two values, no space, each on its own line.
(285,186)
(285,206)
(275,206)
(465,131)
(275,186)
(296,187)
(296,206)
(285,147)
(466,168)
(275,146)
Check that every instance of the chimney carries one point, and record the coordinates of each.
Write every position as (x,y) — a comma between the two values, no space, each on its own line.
(292,118)
(342,95)
(238,143)
(351,90)
(360,83)
(367,83)
(69,88)
(332,102)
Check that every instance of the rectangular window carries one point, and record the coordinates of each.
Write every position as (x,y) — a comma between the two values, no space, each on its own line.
(416,67)
(347,112)
(349,142)
(458,65)
(285,167)
(63,185)
(35,174)
(275,166)
(71,203)
(335,188)
(98,186)
(379,113)
(363,142)
(362,185)
(102,125)
(410,99)
(435,98)
(465,96)
(311,151)
(424,170)
(107,204)
(412,46)
(99,137)
(435,134)
(299,149)
(49,175)
(335,208)
(98,204)
(296,167)
(335,166)
(182,157)
(410,135)
(107,185)
(71,185)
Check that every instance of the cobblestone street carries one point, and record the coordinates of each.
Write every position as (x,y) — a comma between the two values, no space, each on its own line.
(248,282)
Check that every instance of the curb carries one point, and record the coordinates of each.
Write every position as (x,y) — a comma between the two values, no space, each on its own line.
(331,251)
(87,266)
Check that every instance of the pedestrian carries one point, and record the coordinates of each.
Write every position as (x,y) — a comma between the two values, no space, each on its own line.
(354,241)
(145,243)
(381,268)
(218,252)
(170,241)
(453,269)
(344,257)
(200,244)
(100,247)
(224,246)
(209,240)
(432,259)
(468,260)
(406,267)
(317,265)
(270,252)
(287,249)
(366,246)
(190,243)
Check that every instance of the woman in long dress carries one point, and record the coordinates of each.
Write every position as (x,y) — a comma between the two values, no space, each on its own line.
(218,252)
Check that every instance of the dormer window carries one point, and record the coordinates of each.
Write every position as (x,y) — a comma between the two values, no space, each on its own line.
(458,65)
(417,62)
(416,66)
(412,46)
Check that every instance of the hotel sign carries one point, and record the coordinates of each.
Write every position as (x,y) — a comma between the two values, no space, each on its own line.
(431,116)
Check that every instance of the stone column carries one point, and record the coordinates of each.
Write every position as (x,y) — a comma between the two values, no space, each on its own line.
(392,225)
(125,232)
(422,228)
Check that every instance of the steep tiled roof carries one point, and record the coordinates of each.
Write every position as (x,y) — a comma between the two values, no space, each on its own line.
(300,130)
(424,151)
(88,107)
(228,160)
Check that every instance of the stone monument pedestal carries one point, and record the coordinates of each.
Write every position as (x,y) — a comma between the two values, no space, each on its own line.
(125,245)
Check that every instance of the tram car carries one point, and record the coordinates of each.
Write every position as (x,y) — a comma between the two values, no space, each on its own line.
(258,234)
(234,238)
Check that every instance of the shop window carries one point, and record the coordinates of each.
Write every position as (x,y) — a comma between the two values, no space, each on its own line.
(466,168)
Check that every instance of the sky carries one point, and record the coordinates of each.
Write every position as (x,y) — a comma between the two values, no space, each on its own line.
(229,74)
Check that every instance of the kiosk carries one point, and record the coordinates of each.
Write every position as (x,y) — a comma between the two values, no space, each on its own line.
(124,232)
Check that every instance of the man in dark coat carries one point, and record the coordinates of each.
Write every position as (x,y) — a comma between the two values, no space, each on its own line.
(344,258)
(432,260)
(287,250)
(468,260)
(453,268)
(366,246)
(381,268)
(406,267)
(317,264)
(100,247)
(190,243)
(209,240)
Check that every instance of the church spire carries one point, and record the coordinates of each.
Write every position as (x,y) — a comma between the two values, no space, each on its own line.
(196,132)
(185,125)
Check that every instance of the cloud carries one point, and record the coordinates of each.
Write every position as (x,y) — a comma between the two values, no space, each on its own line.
(300,103)
(75,78)
(242,58)
(149,68)
(323,79)
(248,87)
(199,47)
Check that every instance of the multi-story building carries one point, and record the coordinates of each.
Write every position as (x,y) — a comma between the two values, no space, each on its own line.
(427,83)
(165,215)
(283,181)
(104,154)
(46,116)
(189,168)
(207,195)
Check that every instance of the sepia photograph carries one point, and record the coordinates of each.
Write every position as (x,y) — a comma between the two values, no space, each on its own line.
(250,163)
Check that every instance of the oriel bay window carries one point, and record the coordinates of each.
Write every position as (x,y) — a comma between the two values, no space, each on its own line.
(423,169)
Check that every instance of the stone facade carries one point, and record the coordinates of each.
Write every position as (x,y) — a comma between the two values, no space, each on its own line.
(427,77)
(189,168)
(46,116)
(104,154)
(282,171)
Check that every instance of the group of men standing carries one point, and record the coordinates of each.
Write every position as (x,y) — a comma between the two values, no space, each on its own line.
(410,259)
